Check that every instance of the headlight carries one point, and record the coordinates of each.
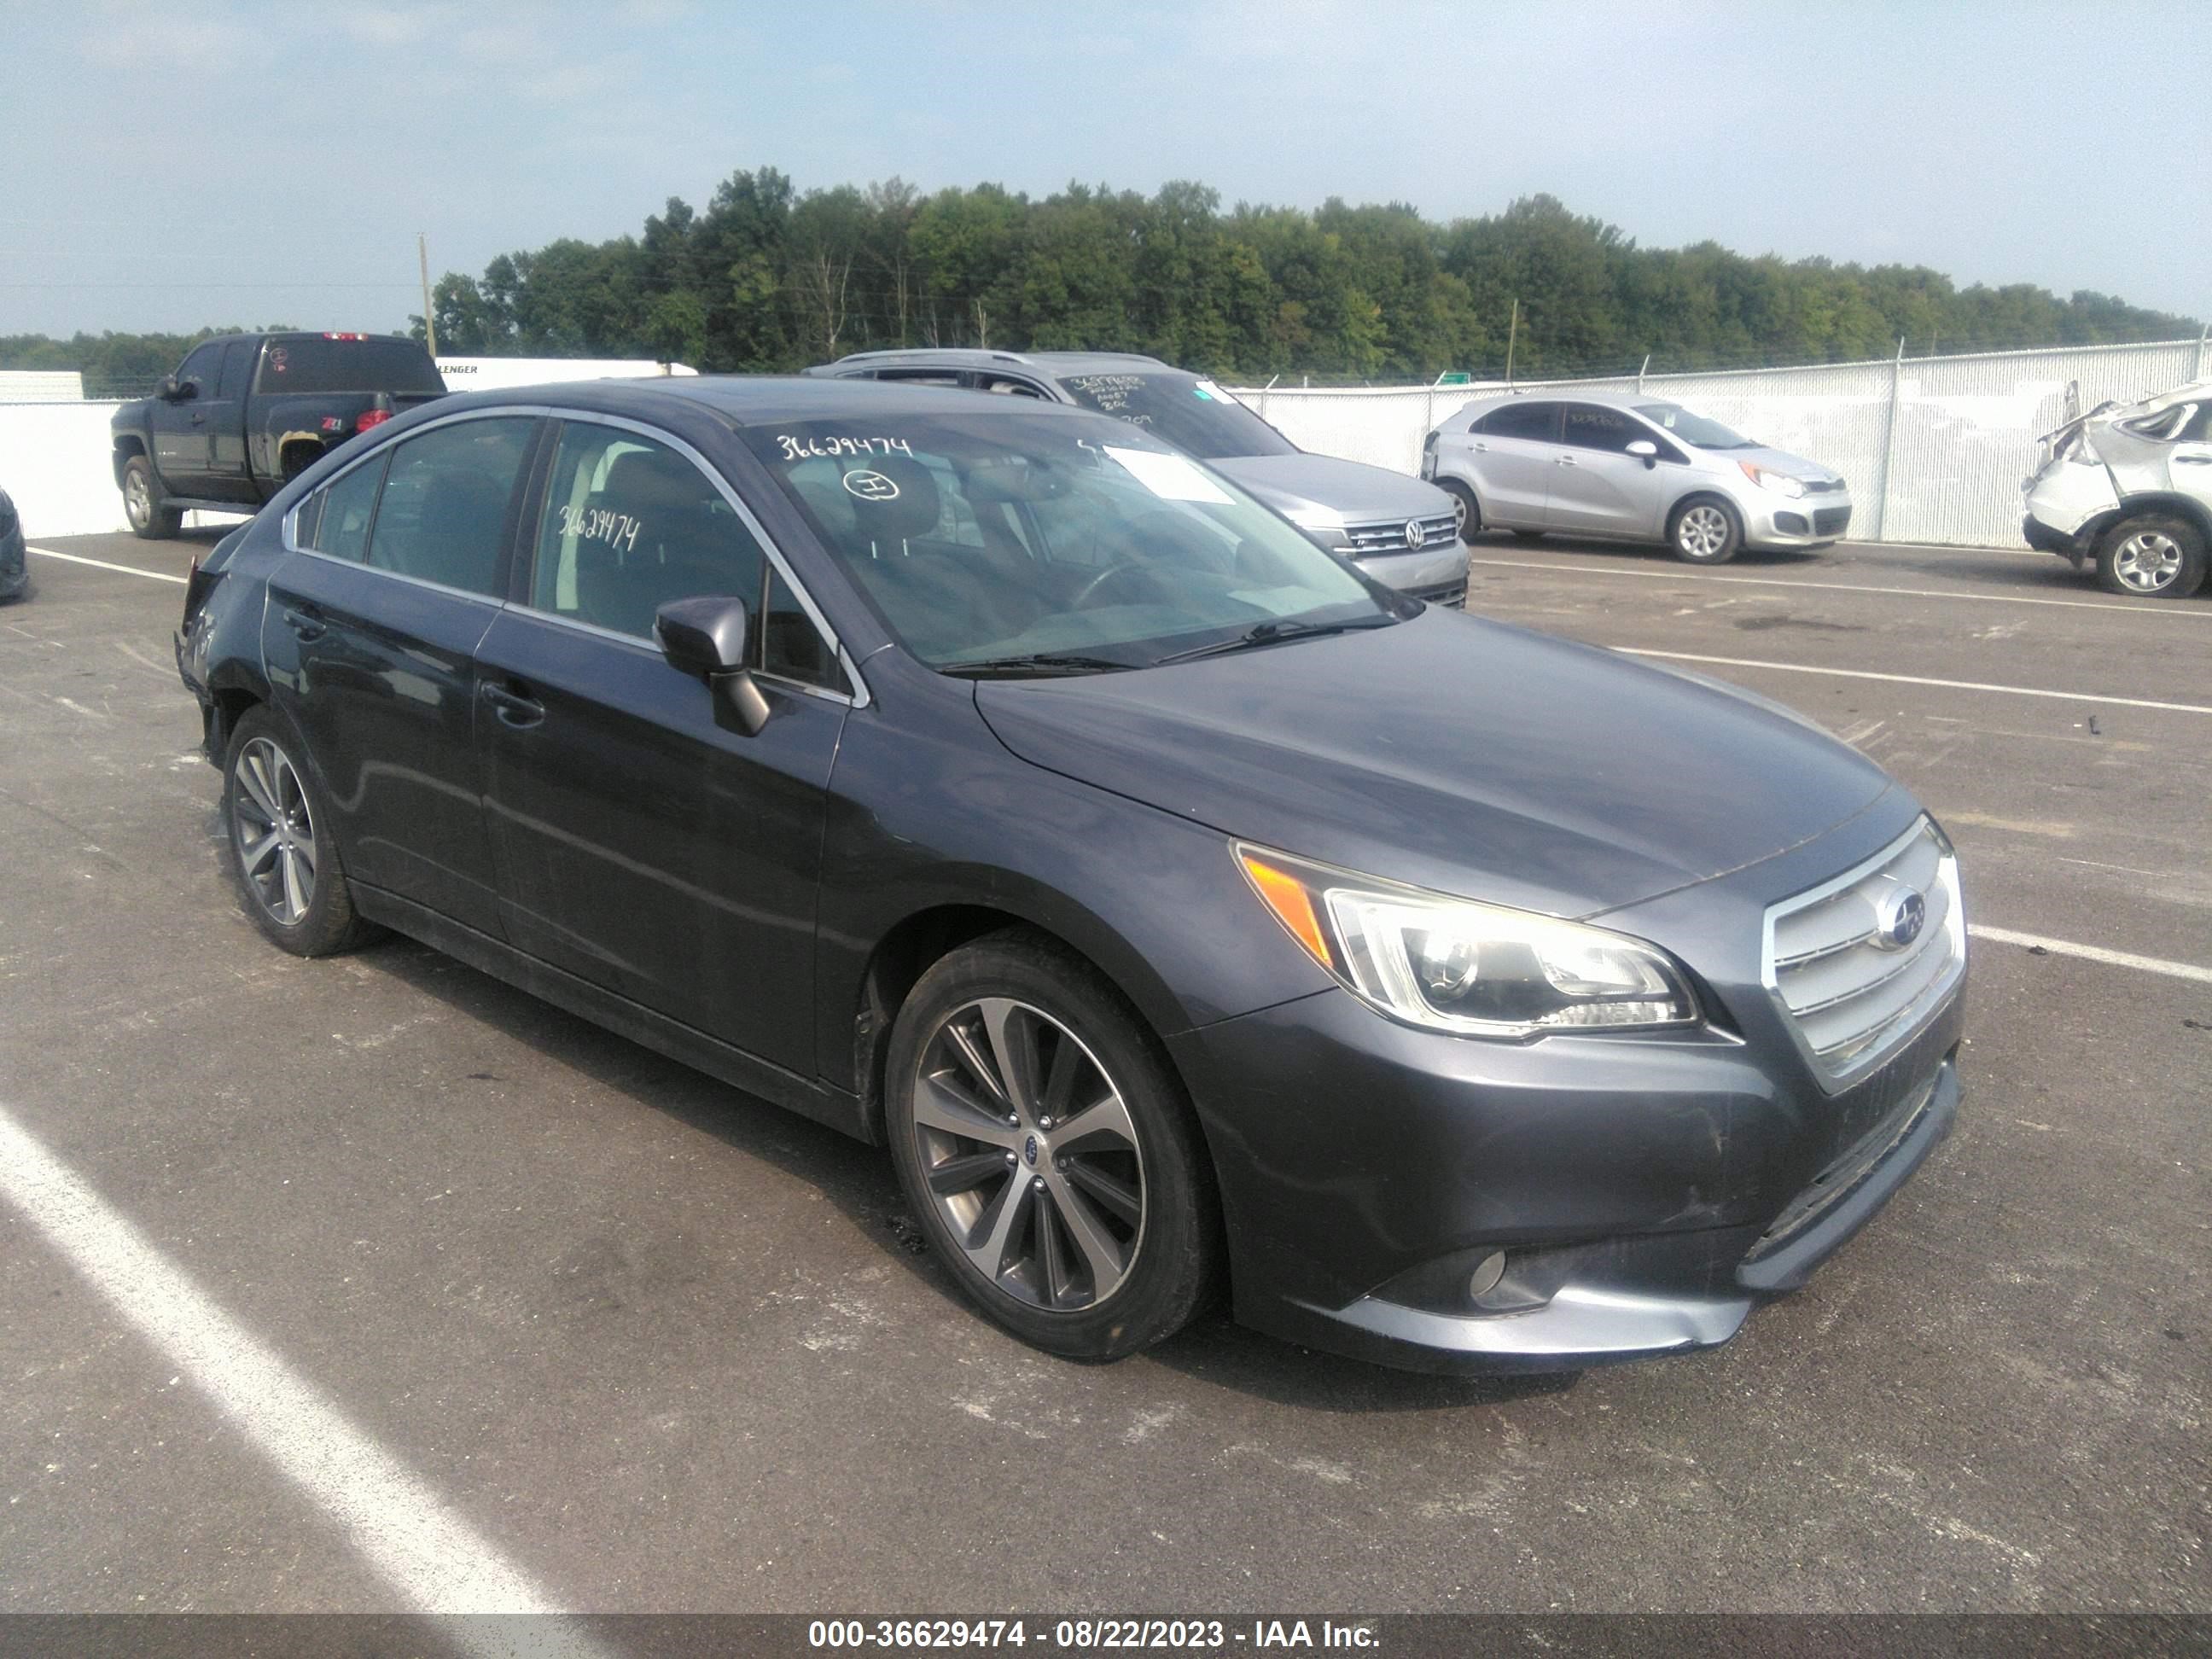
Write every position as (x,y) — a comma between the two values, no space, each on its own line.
(1315,519)
(1460,966)
(1773,481)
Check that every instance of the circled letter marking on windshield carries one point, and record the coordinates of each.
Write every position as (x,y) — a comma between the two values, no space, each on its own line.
(872,486)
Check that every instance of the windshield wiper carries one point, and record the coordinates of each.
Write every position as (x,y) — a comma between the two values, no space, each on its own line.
(1036,666)
(1267,633)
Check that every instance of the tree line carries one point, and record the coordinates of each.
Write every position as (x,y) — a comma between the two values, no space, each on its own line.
(768,277)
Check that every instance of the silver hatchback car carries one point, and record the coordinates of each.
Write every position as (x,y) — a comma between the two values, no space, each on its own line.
(1636,468)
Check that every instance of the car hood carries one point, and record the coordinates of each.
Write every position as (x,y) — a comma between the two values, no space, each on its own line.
(1782,461)
(1361,493)
(1454,753)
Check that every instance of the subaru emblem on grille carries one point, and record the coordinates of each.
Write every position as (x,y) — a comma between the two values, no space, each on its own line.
(1414,534)
(1903,912)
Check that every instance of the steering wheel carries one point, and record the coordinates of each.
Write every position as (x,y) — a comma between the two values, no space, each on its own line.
(1088,590)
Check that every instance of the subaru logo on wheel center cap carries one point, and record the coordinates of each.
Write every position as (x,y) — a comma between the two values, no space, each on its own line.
(1414,534)
(1029,1152)
(1901,917)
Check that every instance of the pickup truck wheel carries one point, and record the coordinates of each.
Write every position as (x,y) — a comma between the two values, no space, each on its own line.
(2153,557)
(150,517)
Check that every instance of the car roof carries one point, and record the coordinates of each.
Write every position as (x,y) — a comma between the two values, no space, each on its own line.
(1559,394)
(1051,363)
(745,400)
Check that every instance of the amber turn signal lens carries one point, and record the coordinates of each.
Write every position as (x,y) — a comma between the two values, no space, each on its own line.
(1287,897)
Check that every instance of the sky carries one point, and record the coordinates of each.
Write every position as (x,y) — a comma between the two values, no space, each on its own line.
(169,167)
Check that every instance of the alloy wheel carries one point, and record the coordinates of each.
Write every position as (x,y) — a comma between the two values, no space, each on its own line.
(275,831)
(137,502)
(1703,532)
(1029,1154)
(2147,562)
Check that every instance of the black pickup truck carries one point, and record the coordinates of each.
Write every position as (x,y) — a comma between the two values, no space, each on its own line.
(246,413)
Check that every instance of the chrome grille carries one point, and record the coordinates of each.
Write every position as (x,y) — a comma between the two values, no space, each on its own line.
(1849,994)
(1822,486)
(1381,539)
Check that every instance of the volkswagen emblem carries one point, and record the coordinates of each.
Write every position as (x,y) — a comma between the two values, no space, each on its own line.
(1414,534)
(1029,1148)
(1900,918)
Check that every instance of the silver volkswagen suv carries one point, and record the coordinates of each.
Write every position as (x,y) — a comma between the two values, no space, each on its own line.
(1396,529)
(1631,467)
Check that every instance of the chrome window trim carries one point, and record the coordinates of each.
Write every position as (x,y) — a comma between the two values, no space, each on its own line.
(859,698)
(1932,1000)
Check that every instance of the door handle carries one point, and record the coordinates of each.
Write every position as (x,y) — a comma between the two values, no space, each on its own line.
(1481,449)
(1566,460)
(305,624)
(513,708)
(2193,460)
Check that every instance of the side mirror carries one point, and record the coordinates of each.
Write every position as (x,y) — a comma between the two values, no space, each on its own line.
(712,640)
(1646,451)
(171,390)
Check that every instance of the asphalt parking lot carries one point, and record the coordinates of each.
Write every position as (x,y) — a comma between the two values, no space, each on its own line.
(569,1326)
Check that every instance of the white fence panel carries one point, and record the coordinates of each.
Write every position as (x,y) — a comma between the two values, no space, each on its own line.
(54,463)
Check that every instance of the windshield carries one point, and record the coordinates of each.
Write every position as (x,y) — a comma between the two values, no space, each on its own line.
(305,363)
(1196,415)
(1021,532)
(1695,429)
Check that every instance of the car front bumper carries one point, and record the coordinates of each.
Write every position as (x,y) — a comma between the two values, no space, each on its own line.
(1802,521)
(1646,1194)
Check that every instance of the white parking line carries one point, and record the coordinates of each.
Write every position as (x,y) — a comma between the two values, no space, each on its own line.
(2059,947)
(1916,679)
(102,564)
(415,1540)
(2200,612)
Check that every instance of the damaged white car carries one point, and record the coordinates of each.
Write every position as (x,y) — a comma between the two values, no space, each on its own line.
(2130,485)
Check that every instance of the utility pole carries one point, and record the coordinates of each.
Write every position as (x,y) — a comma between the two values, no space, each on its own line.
(1512,333)
(429,322)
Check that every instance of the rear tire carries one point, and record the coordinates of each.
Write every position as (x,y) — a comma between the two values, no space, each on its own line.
(1088,1242)
(144,504)
(283,858)
(1467,512)
(1704,530)
(2153,555)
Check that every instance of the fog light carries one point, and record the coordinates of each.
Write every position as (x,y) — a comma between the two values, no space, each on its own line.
(1487,1272)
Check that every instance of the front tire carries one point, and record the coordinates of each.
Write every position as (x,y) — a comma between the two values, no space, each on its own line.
(1705,531)
(283,858)
(2151,556)
(144,504)
(1047,1147)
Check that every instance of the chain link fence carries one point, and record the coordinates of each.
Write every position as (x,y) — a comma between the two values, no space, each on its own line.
(1933,447)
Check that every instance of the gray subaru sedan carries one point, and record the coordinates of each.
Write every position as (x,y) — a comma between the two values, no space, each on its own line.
(1184,911)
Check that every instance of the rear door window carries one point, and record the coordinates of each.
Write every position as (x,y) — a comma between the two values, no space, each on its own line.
(1592,425)
(237,369)
(442,517)
(1536,422)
